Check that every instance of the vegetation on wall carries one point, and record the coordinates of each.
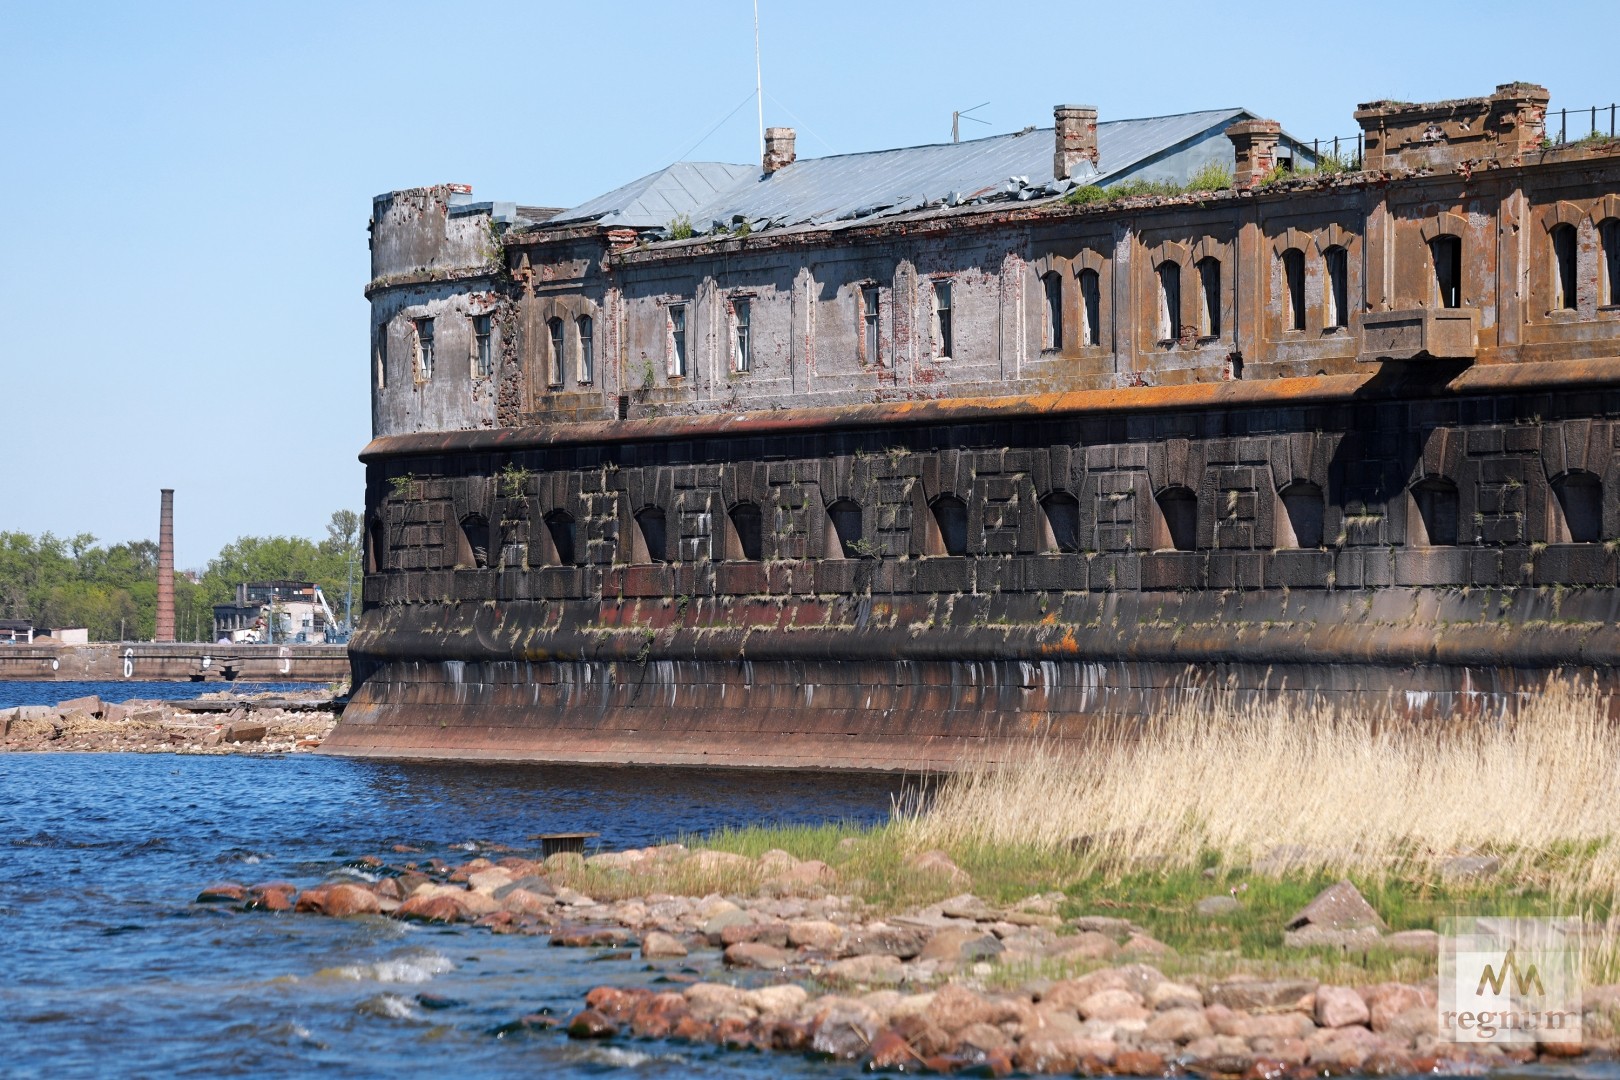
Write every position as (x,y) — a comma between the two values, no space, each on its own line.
(112,591)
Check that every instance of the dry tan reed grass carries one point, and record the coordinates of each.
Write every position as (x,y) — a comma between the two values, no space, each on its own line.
(1277,787)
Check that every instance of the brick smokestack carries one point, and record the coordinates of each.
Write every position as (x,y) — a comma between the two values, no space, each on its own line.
(778,149)
(1076,131)
(165,597)
(1254,150)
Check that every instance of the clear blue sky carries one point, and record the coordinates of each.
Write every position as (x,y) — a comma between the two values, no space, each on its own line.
(181,269)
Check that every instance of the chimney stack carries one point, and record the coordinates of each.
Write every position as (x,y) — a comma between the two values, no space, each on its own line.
(778,149)
(165,595)
(1254,143)
(1076,129)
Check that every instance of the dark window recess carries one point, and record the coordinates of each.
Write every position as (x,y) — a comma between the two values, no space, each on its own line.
(1447,254)
(1563,268)
(587,350)
(869,323)
(677,341)
(1337,262)
(742,358)
(624,406)
(382,357)
(747,533)
(950,517)
(1435,523)
(560,530)
(1178,507)
(1090,308)
(376,547)
(650,526)
(555,326)
(474,548)
(1609,233)
(1209,311)
(424,349)
(1061,513)
(1169,301)
(1293,261)
(844,526)
(942,317)
(1052,290)
(1300,525)
(1578,499)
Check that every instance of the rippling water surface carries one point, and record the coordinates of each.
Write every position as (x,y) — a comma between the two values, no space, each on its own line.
(49,693)
(112,970)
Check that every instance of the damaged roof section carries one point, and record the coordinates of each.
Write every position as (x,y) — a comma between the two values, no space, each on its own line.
(848,188)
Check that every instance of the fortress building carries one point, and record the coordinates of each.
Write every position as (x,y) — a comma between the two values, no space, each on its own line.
(878,459)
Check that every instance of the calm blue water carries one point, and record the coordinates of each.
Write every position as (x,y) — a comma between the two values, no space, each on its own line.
(49,693)
(111,970)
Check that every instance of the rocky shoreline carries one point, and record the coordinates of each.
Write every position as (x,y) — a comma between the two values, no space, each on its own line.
(217,723)
(791,965)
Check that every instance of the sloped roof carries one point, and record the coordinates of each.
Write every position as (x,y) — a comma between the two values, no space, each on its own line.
(848,187)
(659,198)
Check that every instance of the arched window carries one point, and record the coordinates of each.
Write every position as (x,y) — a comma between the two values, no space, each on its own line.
(1433,522)
(473,549)
(587,350)
(951,528)
(1336,261)
(1052,309)
(745,537)
(844,530)
(1446,251)
(650,532)
(1169,302)
(1299,523)
(1209,295)
(554,365)
(1562,238)
(1609,275)
(1577,509)
(1178,520)
(1293,265)
(1060,515)
(559,536)
(1090,308)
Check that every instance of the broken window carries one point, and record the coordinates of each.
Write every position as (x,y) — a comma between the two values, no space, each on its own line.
(1434,523)
(1209,288)
(1446,252)
(942,318)
(869,323)
(1169,302)
(742,344)
(1052,308)
(424,349)
(554,327)
(587,350)
(483,358)
(1609,277)
(1577,509)
(1563,267)
(1337,294)
(1060,513)
(677,341)
(1293,263)
(473,550)
(1090,308)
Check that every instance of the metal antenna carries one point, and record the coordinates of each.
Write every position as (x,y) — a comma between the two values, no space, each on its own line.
(759,83)
(962,114)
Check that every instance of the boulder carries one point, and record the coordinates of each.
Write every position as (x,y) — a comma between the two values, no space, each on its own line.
(592,1024)
(771,932)
(244,732)
(844,1029)
(1086,945)
(1264,995)
(1414,941)
(1181,1025)
(954,1007)
(1388,1001)
(524,902)
(815,934)
(891,1051)
(756,954)
(714,929)
(1470,868)
(1313,936)
(1340,1006)
(344,900)
(937,863)
(431,909)
(775,1001)
(875,969)
(1174,995)
(223,892)
(487,881)
(1216,906)
(1338,907)
(959,945)
(882,939)
(1113,1004)
(660,946)
(966,906)
(90,706)
(708,1002)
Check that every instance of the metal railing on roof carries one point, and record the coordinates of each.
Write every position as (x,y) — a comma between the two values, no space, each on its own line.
(1341,151)
(1595,116)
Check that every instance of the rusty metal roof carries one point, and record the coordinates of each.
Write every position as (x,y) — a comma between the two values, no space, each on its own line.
(852,187)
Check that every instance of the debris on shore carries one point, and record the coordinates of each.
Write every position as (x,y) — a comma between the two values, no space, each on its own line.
(217,723)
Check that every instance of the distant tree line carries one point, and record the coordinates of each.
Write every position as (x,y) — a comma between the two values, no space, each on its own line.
(112,591)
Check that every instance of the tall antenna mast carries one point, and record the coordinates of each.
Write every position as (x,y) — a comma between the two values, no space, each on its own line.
(759,83)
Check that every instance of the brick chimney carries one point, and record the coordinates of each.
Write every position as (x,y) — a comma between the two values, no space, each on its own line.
(1255,144)
(1076,138)
(778,149)
(165,568)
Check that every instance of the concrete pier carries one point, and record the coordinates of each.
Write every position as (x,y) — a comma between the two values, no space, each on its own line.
(147,661)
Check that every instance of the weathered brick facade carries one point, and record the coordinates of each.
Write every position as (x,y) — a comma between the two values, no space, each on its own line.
(1366,446)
